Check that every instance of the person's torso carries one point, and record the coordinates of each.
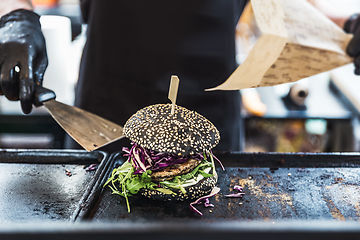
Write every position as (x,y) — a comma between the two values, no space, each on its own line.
(144,42)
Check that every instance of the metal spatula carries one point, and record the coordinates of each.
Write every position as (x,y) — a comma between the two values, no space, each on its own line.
(87,129)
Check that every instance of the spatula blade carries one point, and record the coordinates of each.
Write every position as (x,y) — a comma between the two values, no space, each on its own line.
(87,129)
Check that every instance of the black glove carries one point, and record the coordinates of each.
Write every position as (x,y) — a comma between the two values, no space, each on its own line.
(22,44)
(352,25)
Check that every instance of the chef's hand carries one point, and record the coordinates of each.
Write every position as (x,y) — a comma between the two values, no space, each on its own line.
(352,25)
(22,44)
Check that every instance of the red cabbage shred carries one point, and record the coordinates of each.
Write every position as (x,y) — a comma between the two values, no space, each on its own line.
(153,160)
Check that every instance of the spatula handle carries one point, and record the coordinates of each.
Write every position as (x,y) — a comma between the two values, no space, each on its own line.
(42,94)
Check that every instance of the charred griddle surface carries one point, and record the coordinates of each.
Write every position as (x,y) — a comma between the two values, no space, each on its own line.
(276,187)
(44,186)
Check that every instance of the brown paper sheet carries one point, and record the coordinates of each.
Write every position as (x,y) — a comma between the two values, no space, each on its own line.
(297,41)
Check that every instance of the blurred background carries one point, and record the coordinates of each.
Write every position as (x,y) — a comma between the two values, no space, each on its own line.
(317,114)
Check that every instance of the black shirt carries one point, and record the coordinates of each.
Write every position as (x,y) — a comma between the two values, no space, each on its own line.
(133,48)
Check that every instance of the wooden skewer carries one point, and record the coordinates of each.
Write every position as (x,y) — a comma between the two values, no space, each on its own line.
(173,90)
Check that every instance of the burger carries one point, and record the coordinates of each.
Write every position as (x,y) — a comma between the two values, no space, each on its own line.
(170,158)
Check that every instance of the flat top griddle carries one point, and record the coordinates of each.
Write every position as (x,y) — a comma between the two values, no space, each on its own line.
(43,186)
(287,196)
(277,187)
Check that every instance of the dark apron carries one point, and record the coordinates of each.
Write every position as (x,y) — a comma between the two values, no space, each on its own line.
(133,48)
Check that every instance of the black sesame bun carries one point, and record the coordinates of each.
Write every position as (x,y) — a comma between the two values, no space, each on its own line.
(183,133)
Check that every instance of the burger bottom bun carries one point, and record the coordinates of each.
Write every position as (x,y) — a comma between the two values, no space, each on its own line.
(202,188)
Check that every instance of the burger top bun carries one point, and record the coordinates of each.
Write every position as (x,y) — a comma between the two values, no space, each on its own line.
(183,133)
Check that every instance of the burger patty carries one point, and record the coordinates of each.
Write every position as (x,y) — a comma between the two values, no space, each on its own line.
(175,170)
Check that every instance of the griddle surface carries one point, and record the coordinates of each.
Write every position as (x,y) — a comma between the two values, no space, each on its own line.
(322,187)
(32,191)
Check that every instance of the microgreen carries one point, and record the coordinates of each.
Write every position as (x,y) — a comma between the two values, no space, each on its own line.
(127,179)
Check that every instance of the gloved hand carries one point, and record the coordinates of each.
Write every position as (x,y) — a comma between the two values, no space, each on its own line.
(22,44)
(352,25)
